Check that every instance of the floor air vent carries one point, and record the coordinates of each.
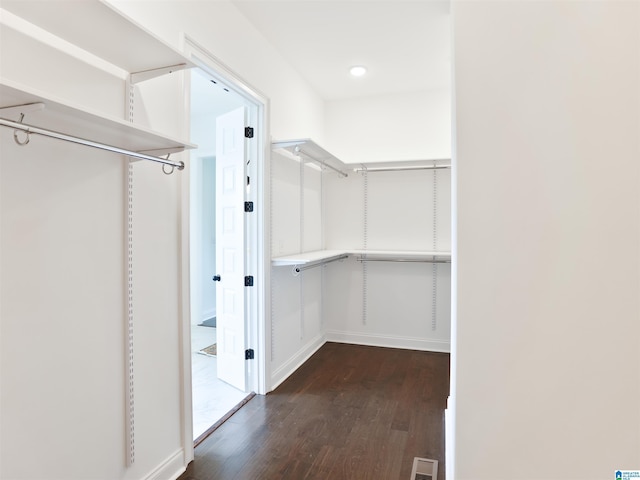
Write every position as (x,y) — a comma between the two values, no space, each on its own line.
(424,469)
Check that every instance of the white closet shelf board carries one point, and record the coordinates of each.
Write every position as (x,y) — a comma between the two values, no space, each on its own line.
(321,256)
(102,31)
(311,150)
(64,117)
(308,258)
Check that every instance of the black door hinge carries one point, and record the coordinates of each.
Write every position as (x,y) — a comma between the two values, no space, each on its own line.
(248,132)
(248,354)
(248,206)
(248,281)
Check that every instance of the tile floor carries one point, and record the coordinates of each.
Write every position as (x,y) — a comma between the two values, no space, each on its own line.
(212,398)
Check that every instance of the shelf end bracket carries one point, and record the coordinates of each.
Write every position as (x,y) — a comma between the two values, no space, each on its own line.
(137,77)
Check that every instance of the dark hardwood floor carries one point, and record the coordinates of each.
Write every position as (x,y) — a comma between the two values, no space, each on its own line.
(350,412)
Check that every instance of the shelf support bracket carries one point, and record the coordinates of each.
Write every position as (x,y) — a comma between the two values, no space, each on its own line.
(300,268)
(138,77)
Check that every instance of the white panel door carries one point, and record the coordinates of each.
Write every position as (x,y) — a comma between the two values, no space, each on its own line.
(230,255)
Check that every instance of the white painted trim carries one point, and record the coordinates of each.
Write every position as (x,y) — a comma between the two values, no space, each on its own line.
(258,339)
(296,361)
(409,343)
(449,428)
(184,298)
(170,469)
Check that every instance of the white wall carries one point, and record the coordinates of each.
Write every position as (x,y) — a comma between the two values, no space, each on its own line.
(62,328)
(547,379)
(401,126)
(203,238)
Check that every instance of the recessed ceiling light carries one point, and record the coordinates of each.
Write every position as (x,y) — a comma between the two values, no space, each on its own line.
(358,70)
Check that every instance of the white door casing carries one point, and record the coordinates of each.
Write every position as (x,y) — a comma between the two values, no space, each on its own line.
(258,263)
(230,247)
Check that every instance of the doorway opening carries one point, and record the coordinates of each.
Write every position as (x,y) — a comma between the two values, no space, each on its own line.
(223,248)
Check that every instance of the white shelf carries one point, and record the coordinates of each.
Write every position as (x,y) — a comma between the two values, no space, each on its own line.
(323,256)
(308,258)
(64,117)
(102,31)
(312,151)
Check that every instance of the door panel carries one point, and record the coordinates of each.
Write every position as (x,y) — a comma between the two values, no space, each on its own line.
(230,257)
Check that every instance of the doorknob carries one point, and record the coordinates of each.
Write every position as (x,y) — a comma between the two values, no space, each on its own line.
(216,278)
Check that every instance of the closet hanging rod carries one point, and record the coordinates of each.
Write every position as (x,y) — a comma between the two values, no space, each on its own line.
(297,269)
(340,172)
(402,260)
(396,169)
(29,129)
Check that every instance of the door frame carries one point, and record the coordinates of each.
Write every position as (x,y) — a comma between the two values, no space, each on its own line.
(256,228)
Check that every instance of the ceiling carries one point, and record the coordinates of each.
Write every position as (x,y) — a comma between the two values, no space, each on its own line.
(405,44)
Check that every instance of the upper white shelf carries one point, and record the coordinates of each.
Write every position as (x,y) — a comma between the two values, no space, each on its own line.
(308,258)
(100,29)
(312,151)
(72,119)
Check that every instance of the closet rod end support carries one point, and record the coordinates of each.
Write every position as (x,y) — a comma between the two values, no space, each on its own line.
(172,166)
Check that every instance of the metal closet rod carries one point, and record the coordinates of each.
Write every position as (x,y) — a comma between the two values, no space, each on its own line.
(396,169)
(88,143)
(402,260)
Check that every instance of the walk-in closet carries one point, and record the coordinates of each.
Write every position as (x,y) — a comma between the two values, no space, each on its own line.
(95,237)
(361,253)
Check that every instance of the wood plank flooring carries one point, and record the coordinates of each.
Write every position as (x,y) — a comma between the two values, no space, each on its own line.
(350,412)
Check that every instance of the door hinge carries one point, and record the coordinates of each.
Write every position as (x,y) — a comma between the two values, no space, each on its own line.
(248,132)
(248,354)
(248,281)
(248,206)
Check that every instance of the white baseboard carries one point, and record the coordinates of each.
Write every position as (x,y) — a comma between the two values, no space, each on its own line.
(409,343)
(283,372)
(449,443)
(170,469)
